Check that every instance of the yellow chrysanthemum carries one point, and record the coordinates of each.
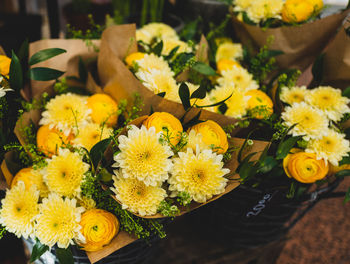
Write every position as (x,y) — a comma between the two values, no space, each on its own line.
(152,61)
(240,77)
(293,95)
(31,177)
(86,202)
(242,5)
(64,173)
(201,175)
(19,210)
(229,51)
(143,156)
(170,44)
(58,221)
(236,105)
(158,82)
(65,112)
(137,197)
(330,101)
(309,122)
(155,30)
(332,147)
(261,10)
(90,134)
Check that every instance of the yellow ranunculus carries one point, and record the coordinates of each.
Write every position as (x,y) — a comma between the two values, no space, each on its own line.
(297,11)
(104,109)
(260,104)
(98,227)
(304,167)
(317,4)
(50,140)
(4,65)
(129,60)
(212,135)
(226,64)
(31,177)
(166,123)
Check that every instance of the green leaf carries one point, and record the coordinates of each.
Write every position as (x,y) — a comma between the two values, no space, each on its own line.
(190,30)
(345,160)
(285,147)
(291,191)
(346,92)
(44,74)
(342,173)
(200,93)
(83,73)
(38,250)
(203,68)
(223,108)
(64,255)
(184,94)
(267,164)
(158,48)
(347,196)
(15,75)
(216,104)
(98,150)
(317,69)
(240,153)
(162,94)
(274,53)
(44,55)
(247,170)
(246,19)
(23,51)
(172,53)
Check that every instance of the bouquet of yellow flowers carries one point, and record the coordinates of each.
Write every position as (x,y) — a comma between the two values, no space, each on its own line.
(298,28)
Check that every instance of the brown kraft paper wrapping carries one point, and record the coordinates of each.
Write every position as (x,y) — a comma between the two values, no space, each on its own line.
(336,71)
(300,44)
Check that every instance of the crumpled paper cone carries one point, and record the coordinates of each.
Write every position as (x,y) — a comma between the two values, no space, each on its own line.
(336,71)
(300,44)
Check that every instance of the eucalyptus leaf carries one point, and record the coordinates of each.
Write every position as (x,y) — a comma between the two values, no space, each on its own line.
(98,150)
(64,255)
(44,74)
(342,173)
(346,92)
(268,164)
(286,146)
(23,51)
(184,94)
(203,68)
(45,54)
(16,74)
(158,48)
(200,93)
(38,250)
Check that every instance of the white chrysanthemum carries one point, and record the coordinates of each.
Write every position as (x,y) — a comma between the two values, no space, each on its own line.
(160,81)
(90,134)
(143,156)
(64,173)
(240,77)
(262,10)
(19,210)
(311,123)
(229,51)
(58,221)
(330,101)
(152,61)
(195,141)
(237,104)
(3,89)
(170,44)
(332,147)
(66,112)
(201,175)
(242,5)
(137,197)
(155,30)
(294,94)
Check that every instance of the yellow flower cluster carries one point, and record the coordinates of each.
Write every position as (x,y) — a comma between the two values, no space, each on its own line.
(145,161)
(290,11)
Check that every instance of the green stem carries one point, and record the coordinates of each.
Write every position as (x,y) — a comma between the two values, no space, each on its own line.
(144,12)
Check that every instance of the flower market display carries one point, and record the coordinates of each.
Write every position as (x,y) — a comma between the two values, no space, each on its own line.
(105,142)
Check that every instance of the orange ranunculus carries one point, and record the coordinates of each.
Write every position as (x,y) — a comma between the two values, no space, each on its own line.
(212,135)
(260,104)
(295,11)
(50,140)
(98,227)
(129,60)
(225,64)
(104,109)
(166,123)
(304,167)
(5,63)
